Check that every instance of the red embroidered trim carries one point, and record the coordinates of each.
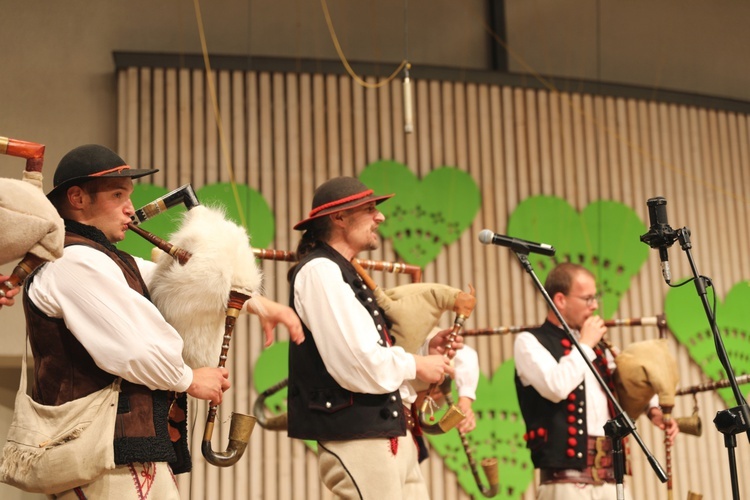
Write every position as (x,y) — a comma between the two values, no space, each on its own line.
(116,169)
(394,445)
(353,197)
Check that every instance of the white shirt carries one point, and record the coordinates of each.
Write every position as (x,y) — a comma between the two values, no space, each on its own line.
(466,364)
(124,332)
(346,337)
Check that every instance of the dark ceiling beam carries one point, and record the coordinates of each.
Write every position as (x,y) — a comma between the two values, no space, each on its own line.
(497,24)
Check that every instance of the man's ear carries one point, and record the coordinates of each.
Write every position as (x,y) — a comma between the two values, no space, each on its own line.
(559,300)
(75,195)
(337,218)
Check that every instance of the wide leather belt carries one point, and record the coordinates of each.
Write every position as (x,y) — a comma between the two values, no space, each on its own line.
(599,466)
(589,475)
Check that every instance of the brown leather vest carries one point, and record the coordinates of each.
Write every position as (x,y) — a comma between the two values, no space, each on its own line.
(64,371)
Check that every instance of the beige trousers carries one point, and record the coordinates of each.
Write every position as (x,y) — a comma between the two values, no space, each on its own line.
(576,491)
(136,481)
(367,469)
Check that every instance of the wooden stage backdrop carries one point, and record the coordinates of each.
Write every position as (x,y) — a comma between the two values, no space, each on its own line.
(286,132)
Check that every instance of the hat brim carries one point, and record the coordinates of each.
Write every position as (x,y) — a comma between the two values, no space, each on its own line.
(133,173)
(301,226)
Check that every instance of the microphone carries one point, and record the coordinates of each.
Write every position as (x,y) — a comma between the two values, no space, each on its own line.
(660,235)
(489,238)
(408,108)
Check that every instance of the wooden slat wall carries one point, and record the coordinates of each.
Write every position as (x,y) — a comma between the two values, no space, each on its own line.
(287,133)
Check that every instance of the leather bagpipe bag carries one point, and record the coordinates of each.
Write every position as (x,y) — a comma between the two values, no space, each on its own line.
(28,221)
(414,310)
(644,369)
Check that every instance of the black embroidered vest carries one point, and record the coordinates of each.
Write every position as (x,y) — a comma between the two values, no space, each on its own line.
(319,408)
(555,432)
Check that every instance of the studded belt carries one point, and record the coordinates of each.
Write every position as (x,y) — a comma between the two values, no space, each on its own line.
(411,422)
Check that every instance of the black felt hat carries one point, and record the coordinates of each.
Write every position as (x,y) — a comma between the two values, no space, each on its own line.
(89,162)
(337,194)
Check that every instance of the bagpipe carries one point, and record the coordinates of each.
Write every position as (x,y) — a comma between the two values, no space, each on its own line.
(207,281)
(33,231)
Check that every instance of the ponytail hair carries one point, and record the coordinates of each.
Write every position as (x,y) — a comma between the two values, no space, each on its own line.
(318,231)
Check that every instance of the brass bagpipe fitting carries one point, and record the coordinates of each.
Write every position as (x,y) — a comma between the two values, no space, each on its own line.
(275,423)
(241,426)
(692,424)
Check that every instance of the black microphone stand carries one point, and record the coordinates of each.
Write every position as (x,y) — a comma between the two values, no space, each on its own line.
(621,425)
(734,420)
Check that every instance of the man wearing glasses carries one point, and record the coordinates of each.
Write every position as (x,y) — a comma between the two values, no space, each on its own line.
(563,405)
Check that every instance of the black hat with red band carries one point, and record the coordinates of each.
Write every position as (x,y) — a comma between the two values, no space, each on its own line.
(337,194)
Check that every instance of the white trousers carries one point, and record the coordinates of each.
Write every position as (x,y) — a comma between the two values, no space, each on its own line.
(367,469)
(578,491)
(136,481)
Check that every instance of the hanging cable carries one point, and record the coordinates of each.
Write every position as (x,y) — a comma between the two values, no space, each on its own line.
(346,64)
(408,107)
(215,104)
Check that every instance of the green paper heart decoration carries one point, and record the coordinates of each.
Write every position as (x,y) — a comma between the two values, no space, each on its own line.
(425,215)
(271,368)
(688,322)
(499,434)
(604,238)
(257,214)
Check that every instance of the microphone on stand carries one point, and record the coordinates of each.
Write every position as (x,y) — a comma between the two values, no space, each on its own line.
(489,238)
(660,235)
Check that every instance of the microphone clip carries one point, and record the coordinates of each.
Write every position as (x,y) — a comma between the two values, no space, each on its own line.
(660,236)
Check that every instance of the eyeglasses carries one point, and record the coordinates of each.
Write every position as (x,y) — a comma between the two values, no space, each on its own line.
(590,299)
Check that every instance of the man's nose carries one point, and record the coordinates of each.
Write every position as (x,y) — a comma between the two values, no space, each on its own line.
(129,208)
